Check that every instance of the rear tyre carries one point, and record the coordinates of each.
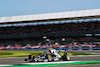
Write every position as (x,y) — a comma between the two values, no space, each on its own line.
(49,58)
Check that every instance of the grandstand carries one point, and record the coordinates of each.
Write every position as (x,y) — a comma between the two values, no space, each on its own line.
(77,27)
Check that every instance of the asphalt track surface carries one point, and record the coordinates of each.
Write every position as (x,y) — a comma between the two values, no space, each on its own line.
(83,65)
(19,60)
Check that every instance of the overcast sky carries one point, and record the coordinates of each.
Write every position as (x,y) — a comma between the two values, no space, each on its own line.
(29,7)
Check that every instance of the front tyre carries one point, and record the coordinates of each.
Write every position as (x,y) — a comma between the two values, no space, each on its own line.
(65,57)
(31,58)
(25,59)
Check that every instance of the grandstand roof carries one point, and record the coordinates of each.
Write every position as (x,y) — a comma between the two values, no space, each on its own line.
(94,13)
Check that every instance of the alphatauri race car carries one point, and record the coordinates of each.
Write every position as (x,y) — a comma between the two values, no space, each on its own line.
(51,55)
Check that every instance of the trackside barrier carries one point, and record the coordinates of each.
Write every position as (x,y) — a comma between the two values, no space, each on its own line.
(29,48)
(36,48)
(44,48)
(85,48)
(75,48)
(57,48)
(66,48)
(61,48)
(40,48)
(95,48)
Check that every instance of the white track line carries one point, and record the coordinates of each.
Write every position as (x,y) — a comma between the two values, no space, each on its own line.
(49,62)
(5,65)
(11,57)
(85,56)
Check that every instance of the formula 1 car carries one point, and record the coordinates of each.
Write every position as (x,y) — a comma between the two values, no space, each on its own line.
(51,55)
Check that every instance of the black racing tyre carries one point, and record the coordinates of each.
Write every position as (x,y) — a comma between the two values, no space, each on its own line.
(29,57)
(49,58)
(25,59)
(46,57)
(65,57)
(33,57)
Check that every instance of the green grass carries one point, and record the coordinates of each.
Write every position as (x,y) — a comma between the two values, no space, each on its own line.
(26,53)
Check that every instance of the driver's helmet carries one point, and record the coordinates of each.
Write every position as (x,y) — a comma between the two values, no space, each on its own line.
(50,50)
(65,51)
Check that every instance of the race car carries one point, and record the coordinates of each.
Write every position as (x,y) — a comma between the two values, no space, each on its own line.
(51,55)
